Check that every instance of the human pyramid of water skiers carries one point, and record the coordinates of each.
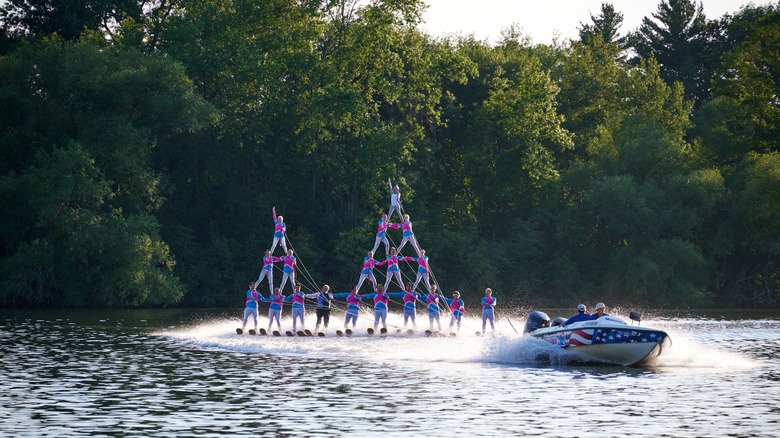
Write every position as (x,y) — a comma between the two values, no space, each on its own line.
(327,301)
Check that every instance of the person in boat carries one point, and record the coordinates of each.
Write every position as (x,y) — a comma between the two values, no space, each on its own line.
(368,270)
(275,309)
(422,269)
(288,269)
(432,301)
(392,268)
(582,315)
(268,270)
(601,310)
(395,200)
(381,234)
(488,304)
(251,305)
(298,307)
(280,232)
(457,308)
(408,235)
(324,298)
(353,306)
(380,305)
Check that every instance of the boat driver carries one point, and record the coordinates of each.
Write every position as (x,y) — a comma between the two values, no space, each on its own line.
(582,315)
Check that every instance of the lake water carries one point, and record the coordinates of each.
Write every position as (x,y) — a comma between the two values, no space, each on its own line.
(186,373)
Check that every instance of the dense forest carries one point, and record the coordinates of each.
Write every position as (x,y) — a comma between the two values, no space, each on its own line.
(143,145)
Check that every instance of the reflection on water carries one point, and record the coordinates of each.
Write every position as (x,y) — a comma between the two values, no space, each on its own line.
(174,373)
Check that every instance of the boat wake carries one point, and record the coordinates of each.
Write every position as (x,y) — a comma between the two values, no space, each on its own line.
(502,347)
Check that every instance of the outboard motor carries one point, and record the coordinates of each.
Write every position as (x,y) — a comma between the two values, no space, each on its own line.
(557,321)
(536,320)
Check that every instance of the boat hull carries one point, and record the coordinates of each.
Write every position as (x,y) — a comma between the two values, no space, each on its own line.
(608,340)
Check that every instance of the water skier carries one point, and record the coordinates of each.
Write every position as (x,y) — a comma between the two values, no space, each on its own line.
(275,309)
(368,270)
(488,303)
(268,270)
(353,305)
(395,200)
(298,307)
(457,308)
(324,298)
(408,235)
(410,298)
(251,305)
(280,232)
(381,233)
(432,300)
(392,268)
(288,270)
(422,269)
(380,305)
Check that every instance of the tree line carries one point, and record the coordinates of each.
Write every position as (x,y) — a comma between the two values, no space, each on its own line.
(143,144)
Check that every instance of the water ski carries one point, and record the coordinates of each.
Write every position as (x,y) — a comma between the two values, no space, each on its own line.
(478,333)
(239,331)
(300,333)
(263,332)
(348,332)
(383,330)
(307,332)
(339,333)
(453,334)
(428,333)
(289,333)
(276,333)
(438,334)
(398,331)
(252,332)
(410,332)
(321,334)
(370,331)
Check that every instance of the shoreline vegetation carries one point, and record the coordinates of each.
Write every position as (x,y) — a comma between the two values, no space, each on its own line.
(142,147)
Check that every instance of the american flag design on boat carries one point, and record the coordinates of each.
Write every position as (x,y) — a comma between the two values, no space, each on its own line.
(602,336)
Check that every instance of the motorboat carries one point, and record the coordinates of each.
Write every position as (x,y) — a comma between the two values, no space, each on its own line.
(606,339)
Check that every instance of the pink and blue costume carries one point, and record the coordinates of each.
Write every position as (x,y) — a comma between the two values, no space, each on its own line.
(251,307)
(488,303)
(381,235)
(408,237)
(274,310)
(268,271)
(367,272)
(432,300)
(353,307)
(289,271)
(380,307)
(410,311)
(392,270)
(457,308)
(280,230)
(298,307)
(422,270)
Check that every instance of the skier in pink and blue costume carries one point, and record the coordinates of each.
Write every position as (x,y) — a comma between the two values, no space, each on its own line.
(251,305)
(298,307)
(380,305)
(280,231)
(288,270)
(368,270)
(353,305)
(268,270)
(422,270)
(488,303)
(381,234)
(392,268)
(410,298)
(432,301)
(457,308)
(408,235)
(275,309)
